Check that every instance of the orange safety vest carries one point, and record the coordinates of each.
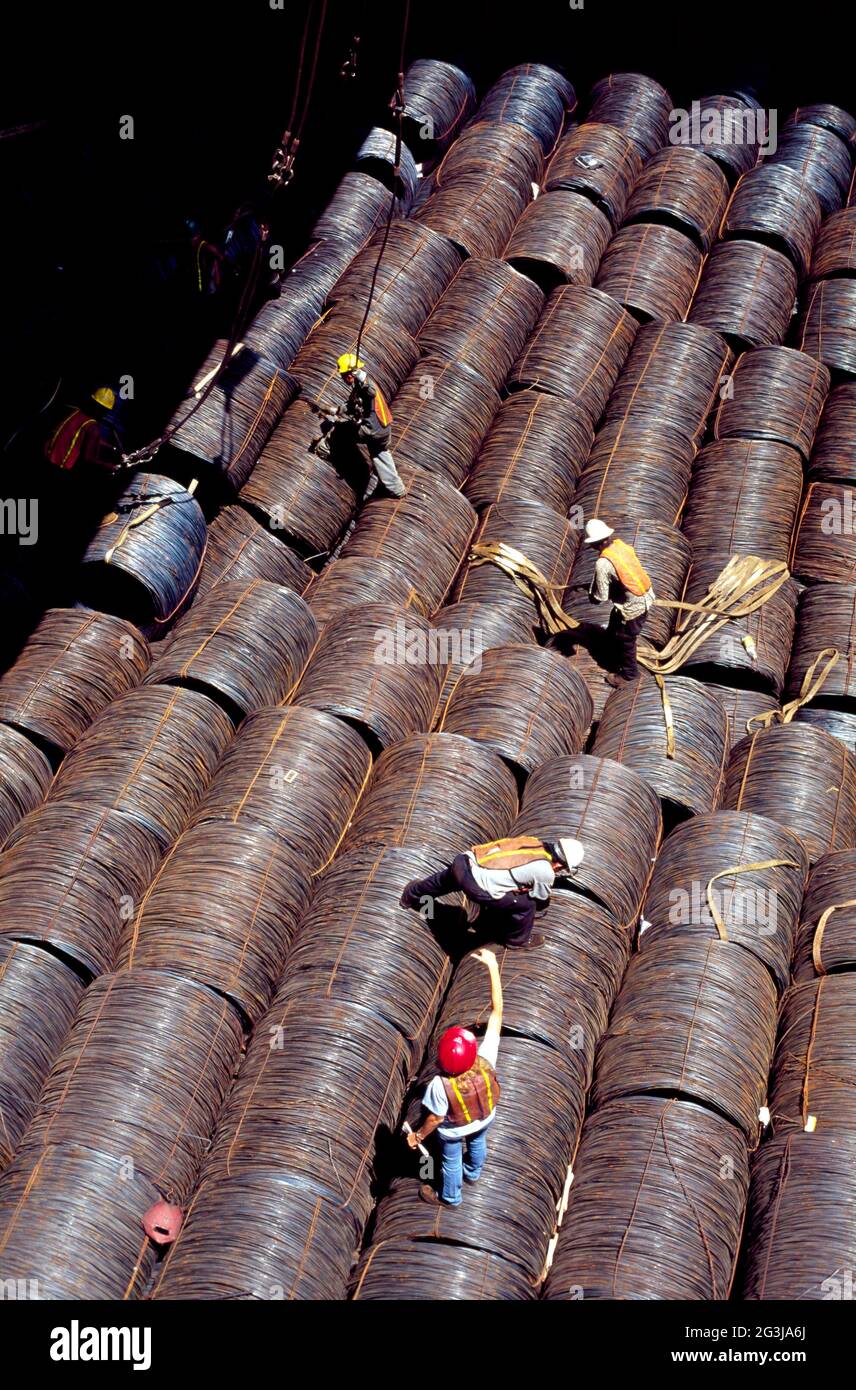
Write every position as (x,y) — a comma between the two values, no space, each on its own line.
(512,852)
(472,1095)
(66,444)
(381,409)
(627,566)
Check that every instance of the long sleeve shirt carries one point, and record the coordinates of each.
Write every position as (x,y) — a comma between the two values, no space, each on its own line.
(606,587)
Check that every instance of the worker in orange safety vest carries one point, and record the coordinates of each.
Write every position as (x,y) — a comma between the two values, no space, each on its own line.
(619,579)
(85,436)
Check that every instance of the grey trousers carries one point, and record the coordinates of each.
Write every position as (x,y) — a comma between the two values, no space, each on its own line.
(384,466)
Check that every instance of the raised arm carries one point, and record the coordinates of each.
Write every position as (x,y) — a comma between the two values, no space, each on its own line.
(494,1024)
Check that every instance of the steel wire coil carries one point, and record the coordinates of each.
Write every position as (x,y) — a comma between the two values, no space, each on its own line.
(665,554)
(523,701)
(633,731)
(306,286)
(355,1064)
(378,666)
(829,117)
(727,133)
(357,579)
(222,911)
(825,324)
(533,96)
(821,157)
(754,650)
(560,237)
(438,97)
(378,152)
(801,1219)
(261,1236)
(537,444)
(510,151)
(38,998)
(511,1211)
(598,160)
(305,500)
(69,876)
(231,426)
(359,205)
(636,467)
(826,617)
(424,534)
(578,348)
(150,754)
(775,393)
(744,490)
(746,293)
(146,555)
(73,664)
(637,105)
(835,248)
(239,548)
(582,661)
(652,270)
(559,995)
(800,777)
(390,352)
(439,790)
(814,1074)
(360,946)
(775,205)
(758,907)
(418,264)
(483,320)
(594,800)
(442,413)
(25,776)
(650,1216)
(696,1019)
(825,535)
(278,329)
(476,212)
(670,378)
(685,190)
(475,628)
(550,542)
(70,1223)
(741,706)
(297,773)
(838,723)
(427,1270)
(246,642)
(833,458)
(831,885)
(108,1084)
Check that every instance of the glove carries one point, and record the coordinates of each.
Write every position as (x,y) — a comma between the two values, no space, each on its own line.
(410,897)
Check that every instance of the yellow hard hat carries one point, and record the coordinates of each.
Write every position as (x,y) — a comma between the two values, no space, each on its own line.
(349,362)
(104,396)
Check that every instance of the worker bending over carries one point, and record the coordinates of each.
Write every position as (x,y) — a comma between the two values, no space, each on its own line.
(461,1100)
(85,436)
(505,882)
(367,412)
(619,579)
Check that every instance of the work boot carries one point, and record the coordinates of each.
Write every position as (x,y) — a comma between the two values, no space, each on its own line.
(431,1196)
(321,449)
(536,938)
(617,682)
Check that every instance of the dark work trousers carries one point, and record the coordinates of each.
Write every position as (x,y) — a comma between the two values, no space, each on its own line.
(507,920)
(621,644)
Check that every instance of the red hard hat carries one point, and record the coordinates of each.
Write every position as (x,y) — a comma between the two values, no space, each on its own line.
(457,1051)
(162,1222)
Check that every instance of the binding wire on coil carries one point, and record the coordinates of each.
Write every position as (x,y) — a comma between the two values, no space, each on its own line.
(442,413)
(535,441)
(440,790)
(418,264)
(239,548)
(670,378)
(561,237)
(826,624)
(356,579)
(775,393)
(825,324)
(683,189)
(438,98)
(533,96)
(728,135)
(821,157)
(824,546)
(426,1270)
(833,457)
(476,212)
(637,105)
(509,150)
(482,320)
(835,249)
(475,627)
(746,293)
(813,1083)
(25,776)
(598,160)
(776,205)
(744,488)
(826,936)
(636,467)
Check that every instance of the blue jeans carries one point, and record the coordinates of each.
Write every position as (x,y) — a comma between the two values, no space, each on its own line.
(454,1169)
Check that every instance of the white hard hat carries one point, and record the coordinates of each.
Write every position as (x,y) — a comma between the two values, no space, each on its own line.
(597,531)
(572,852)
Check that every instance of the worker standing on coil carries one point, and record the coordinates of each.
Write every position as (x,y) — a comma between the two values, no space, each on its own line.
(367,412)
(506,882)
(619,579)
(461,1101)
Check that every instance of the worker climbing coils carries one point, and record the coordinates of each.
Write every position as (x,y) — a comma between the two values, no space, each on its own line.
(368,414)
(619,579)
(87,436)
(506,882)
(461,1101)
